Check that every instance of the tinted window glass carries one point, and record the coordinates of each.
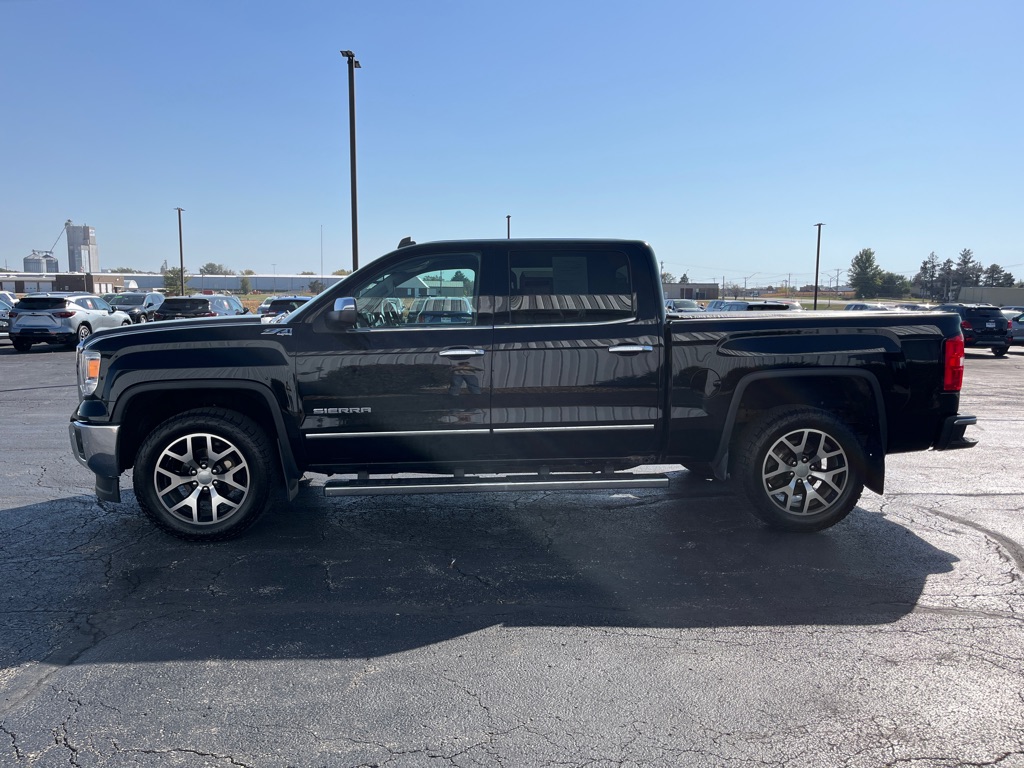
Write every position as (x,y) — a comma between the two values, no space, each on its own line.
(186,305)
(569,287)
(41,302)
(423,291)
(128,300)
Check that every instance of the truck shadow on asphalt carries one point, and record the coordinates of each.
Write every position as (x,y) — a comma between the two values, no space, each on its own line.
(372,576)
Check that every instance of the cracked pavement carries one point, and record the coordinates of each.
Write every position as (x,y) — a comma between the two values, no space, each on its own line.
(649,628)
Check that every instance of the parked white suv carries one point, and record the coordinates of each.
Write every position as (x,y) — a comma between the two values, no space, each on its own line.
(60,318)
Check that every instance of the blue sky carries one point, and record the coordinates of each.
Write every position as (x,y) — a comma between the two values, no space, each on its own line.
(720,132)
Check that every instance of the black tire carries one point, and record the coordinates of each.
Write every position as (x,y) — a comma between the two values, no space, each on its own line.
(206,474)
(83,333)
(800,468)
(143,319)
(1000,351)
(21,345)
(126,323)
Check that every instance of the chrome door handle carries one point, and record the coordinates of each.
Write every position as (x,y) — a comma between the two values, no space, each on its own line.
(630,349)
(462,353)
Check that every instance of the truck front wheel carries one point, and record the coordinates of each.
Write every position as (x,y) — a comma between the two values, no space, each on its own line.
(205,474)
(801,469)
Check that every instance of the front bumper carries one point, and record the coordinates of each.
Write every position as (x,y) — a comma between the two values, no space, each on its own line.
(952,435)
(95,448)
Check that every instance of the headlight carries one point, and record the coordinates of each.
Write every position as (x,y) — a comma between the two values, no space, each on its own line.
(88,365)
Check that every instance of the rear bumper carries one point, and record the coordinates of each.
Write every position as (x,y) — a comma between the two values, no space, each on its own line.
(43,334)
(952,435)
(95,448)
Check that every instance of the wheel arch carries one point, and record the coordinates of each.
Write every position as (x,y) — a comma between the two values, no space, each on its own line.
(854,395)
(139,411)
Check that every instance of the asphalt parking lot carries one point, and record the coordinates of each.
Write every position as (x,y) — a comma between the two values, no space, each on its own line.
(589,629)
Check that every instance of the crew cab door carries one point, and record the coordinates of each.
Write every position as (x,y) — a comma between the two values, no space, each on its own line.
(578,354)
(410,383)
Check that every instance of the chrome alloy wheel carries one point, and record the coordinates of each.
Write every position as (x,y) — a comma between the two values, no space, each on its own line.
(201,479)
(805,472)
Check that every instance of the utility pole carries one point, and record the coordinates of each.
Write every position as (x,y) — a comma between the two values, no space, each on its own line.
(181,253)
(353,65)
(817,261)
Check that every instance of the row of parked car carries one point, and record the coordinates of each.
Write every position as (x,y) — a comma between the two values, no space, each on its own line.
(68,317)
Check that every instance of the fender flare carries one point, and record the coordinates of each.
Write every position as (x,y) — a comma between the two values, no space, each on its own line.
(875,476)
(289,466)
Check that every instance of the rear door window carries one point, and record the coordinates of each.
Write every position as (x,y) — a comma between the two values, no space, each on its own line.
(564,287)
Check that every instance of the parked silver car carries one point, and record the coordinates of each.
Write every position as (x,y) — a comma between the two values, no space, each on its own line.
(5,308)
(1017,330)
(60,318)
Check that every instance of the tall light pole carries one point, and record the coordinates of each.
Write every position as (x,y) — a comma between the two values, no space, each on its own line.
(817,261)
(274,267)
(508,227)
(181,253)
(353,65)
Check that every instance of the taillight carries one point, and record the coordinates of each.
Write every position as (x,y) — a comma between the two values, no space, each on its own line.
(953,364)
(12,314)
(208,314)
(966,325)
(64,314)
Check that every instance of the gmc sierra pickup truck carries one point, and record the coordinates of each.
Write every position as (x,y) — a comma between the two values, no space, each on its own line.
(511,365)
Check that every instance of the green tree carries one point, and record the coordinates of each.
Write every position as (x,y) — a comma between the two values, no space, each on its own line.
(124,271)
(667,277)
(212,268)
(342,272)
(172,281)
(997,277)
(927,278)
(967,272)
(865,276)
(248,271)
(244,284)
(315,286)
(684,278)
(893,285)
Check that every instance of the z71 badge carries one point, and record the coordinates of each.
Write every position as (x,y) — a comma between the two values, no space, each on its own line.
(277,332)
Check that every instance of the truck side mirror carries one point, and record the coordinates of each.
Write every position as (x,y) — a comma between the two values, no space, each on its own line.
(344,314)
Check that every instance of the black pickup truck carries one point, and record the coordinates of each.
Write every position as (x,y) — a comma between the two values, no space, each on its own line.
(511,365)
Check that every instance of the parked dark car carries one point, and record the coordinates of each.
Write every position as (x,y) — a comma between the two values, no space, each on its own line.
(140,307)
(983,326)
(679,306)
(283,304)
(199,305)
(555,371)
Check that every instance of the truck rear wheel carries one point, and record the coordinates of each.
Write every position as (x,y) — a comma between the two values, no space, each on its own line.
(801,469)
(205,474)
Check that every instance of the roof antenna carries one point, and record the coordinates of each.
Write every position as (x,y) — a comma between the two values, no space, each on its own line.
(406,241)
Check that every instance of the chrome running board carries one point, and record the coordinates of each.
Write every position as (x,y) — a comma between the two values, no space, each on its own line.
(495,484)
